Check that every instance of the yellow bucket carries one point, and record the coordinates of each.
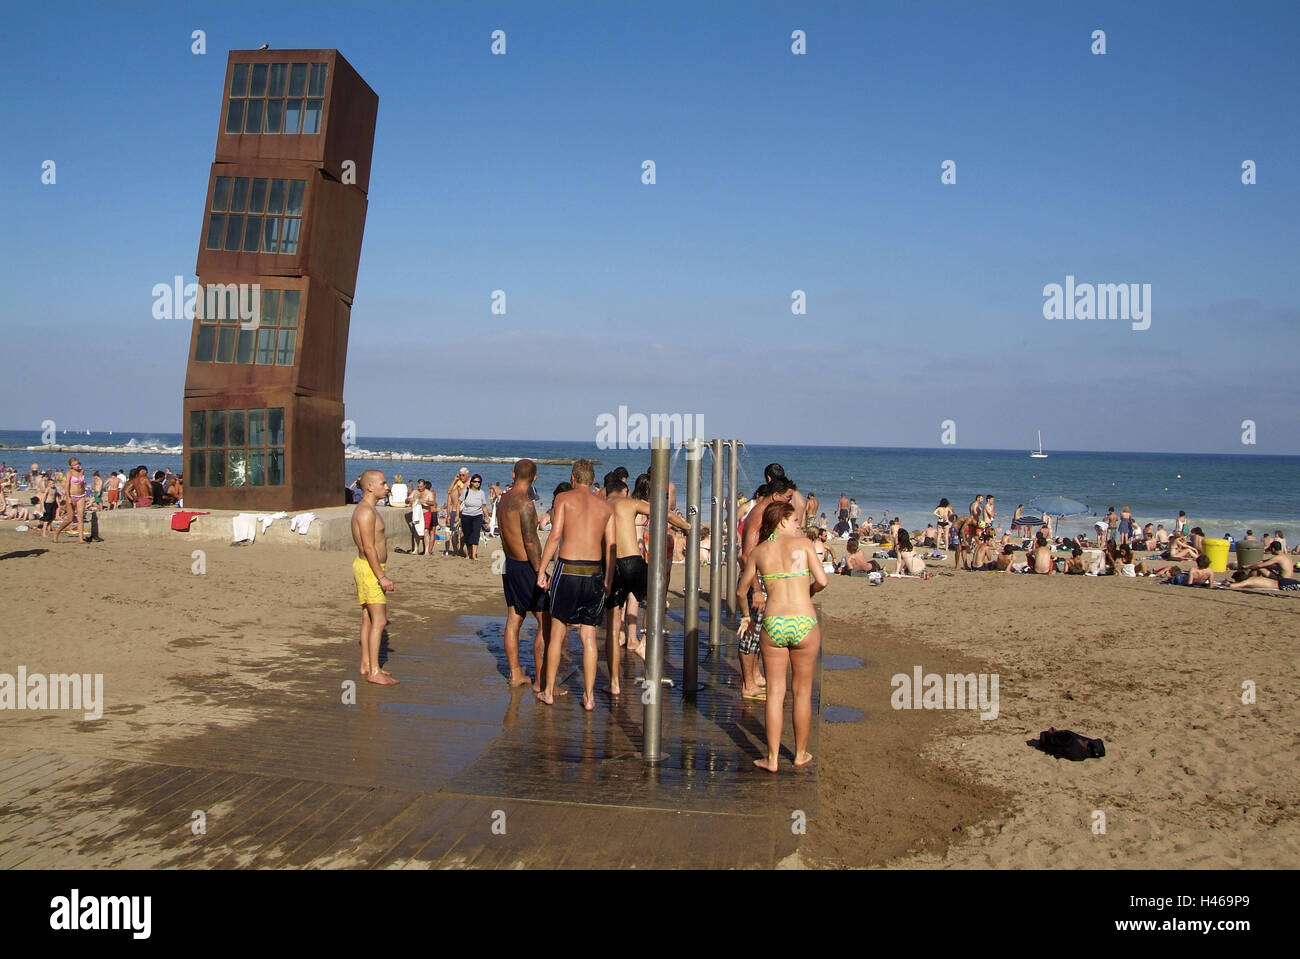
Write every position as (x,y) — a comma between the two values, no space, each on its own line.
(1217,550)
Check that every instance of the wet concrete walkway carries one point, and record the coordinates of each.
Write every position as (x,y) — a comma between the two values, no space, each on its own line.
(449,769)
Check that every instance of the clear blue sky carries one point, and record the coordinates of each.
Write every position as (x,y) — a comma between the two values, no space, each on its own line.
(775,172)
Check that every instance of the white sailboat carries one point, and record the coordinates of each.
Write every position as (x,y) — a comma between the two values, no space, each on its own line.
(1040,455)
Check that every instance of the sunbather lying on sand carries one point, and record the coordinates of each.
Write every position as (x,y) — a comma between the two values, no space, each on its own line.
(1202,575)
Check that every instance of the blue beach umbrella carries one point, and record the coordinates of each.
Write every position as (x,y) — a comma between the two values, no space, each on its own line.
(1058,506)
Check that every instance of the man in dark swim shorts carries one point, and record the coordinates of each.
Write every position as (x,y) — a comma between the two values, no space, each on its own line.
(517,519)
(582,532)
(578,592)
(630,579)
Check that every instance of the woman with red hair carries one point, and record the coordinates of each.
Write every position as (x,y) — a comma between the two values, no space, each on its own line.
(790,572)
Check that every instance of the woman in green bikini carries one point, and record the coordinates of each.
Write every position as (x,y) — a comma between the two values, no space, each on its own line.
(791,572)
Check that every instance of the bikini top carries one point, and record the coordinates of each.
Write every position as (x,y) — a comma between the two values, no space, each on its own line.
(791,575)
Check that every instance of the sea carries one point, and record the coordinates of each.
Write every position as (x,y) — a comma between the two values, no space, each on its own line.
(1224,494)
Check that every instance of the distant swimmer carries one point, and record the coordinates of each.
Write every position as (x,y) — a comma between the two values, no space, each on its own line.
(582,528)
(373,584)
(523,548)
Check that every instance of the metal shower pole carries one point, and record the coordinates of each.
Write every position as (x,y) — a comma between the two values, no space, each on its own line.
(652,693)
(691,635)
(716,542)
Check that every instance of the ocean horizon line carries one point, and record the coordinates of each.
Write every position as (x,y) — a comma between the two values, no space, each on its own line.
(137,434)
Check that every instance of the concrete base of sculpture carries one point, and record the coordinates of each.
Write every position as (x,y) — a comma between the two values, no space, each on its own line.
(332,528)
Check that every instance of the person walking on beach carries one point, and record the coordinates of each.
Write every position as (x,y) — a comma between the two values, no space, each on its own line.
(790,635)
(843,508)
(75,490)
(368,571)
(810,510)
(459,483)
(473,512)
(523,549)
(582,528)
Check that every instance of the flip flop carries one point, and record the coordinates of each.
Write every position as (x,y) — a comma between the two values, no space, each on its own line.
(760,697)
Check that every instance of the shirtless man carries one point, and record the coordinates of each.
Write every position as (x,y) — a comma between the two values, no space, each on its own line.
(1040,558)
(426,500)
(1112,525)
(823,551)
(459,484)
(114,490)
(373,584)
(630,583)
(990,513)
(977,510)
(810,509)
(843,508)
(985,553)
(582,526)
(1277,566)
(523,548)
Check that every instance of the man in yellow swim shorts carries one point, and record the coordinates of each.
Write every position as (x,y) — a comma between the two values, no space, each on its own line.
(373,584)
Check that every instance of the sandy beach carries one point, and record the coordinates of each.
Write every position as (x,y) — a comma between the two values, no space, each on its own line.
(1192,777)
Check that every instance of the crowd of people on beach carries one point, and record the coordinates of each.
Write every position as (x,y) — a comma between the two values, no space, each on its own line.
(466,515)
(594,572)
(49,501)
